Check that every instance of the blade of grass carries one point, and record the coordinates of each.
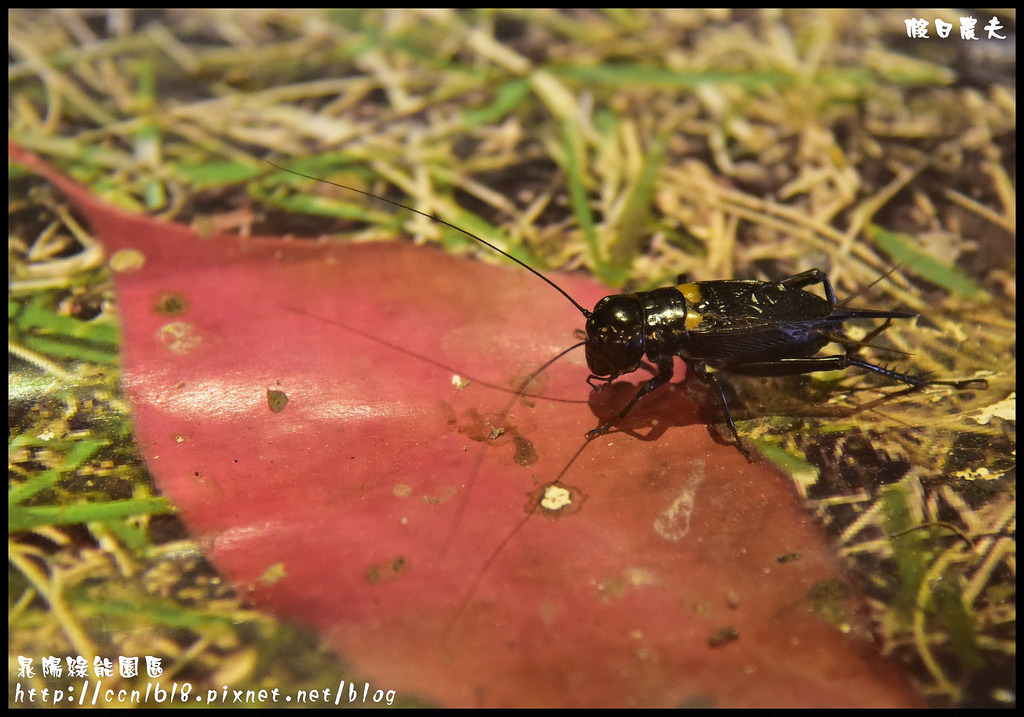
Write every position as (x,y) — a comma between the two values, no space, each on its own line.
(902,250)
(56,348)
(572,143)
(634,220)
(215,174)
(79,452)
(507,98)
(26,517)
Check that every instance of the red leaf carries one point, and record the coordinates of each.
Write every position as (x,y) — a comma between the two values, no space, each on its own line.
(296,400)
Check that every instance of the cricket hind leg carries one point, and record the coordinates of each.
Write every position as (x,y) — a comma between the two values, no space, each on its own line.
(919,381)
(797,366)
(810,278)
(853,346)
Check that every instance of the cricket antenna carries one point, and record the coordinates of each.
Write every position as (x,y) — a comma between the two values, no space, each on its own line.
(439,220)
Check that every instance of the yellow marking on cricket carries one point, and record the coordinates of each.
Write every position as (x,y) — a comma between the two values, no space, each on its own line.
(690,292)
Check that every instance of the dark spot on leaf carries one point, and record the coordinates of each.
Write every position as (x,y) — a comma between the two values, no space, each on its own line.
(788,558)
(723,636)
(386,571)
(448,412)
(474,426)
(276,400)
(525,454)
(488,427)
(170,305)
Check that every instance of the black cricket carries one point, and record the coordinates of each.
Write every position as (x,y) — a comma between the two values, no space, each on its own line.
(748,327)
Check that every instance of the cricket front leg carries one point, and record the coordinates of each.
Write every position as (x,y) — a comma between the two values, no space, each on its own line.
(665,371)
